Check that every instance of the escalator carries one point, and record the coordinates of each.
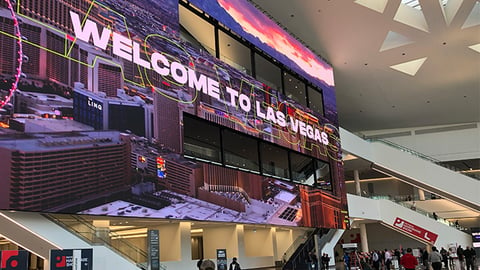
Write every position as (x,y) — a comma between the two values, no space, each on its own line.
(39,234)
(415,170)
(406,221)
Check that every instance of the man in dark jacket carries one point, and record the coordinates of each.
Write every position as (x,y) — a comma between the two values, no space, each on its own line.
(469,254)
(234,265)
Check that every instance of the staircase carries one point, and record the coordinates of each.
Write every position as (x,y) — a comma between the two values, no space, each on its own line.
(300,250)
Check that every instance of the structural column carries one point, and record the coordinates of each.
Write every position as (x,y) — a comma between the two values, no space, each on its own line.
(421,195)
(186,244)
(356,177)
(363,237)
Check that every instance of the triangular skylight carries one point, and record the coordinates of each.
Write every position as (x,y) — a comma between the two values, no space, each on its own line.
(377,5)
(410,67)
(474,18)
(394,40)
(475,47)
(411,16)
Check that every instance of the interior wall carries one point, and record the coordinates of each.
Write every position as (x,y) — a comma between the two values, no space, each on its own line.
(170,244)
(222,237)
(284,241)
(381,237)
(258,242)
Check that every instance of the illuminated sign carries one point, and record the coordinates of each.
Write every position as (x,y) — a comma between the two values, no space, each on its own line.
(122,47)
(161,169)
(93,104)
(169,78)
(243,18)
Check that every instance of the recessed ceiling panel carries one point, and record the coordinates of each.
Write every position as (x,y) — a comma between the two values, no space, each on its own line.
(377,5)
(474,18)
(475,47)
(394,40)
(410,67)
(412,17)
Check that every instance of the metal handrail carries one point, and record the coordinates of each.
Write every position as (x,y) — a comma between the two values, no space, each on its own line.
(422,156)
(88,232)
(294,246)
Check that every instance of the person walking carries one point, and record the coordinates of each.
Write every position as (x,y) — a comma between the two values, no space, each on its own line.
(461,257)
(388,259)
(444,254)
(469,254)
(376,260)
(425,258)
(325,261)
(234,265)
(435,259)
(408,260)
(346,261)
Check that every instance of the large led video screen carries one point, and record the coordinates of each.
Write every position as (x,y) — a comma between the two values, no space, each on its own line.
(253,25)
(208,141)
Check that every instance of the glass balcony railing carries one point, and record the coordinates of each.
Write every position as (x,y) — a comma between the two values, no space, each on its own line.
(409,203)
(102,236)
(469,173)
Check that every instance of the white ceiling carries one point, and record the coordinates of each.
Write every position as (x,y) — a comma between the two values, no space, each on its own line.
(362,39)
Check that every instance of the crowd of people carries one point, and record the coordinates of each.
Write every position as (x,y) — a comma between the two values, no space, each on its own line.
(454,258)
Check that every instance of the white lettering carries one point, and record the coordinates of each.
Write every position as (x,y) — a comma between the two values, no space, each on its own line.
(303,129)
(245,103)
(178,72)
(199,83)
(281,119)
(271,115)
(90,30)
(310,131)
(130,50)
(157,57)
(137,58)
(294,124)
(122,46)
(324,138)
(213,88)
(233,95)
(93,104)
(259,110)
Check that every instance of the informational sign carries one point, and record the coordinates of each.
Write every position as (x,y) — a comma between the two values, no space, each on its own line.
(71,259)
(415,230)
(14,260)
(153,249)
(475,237)
(221,259)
